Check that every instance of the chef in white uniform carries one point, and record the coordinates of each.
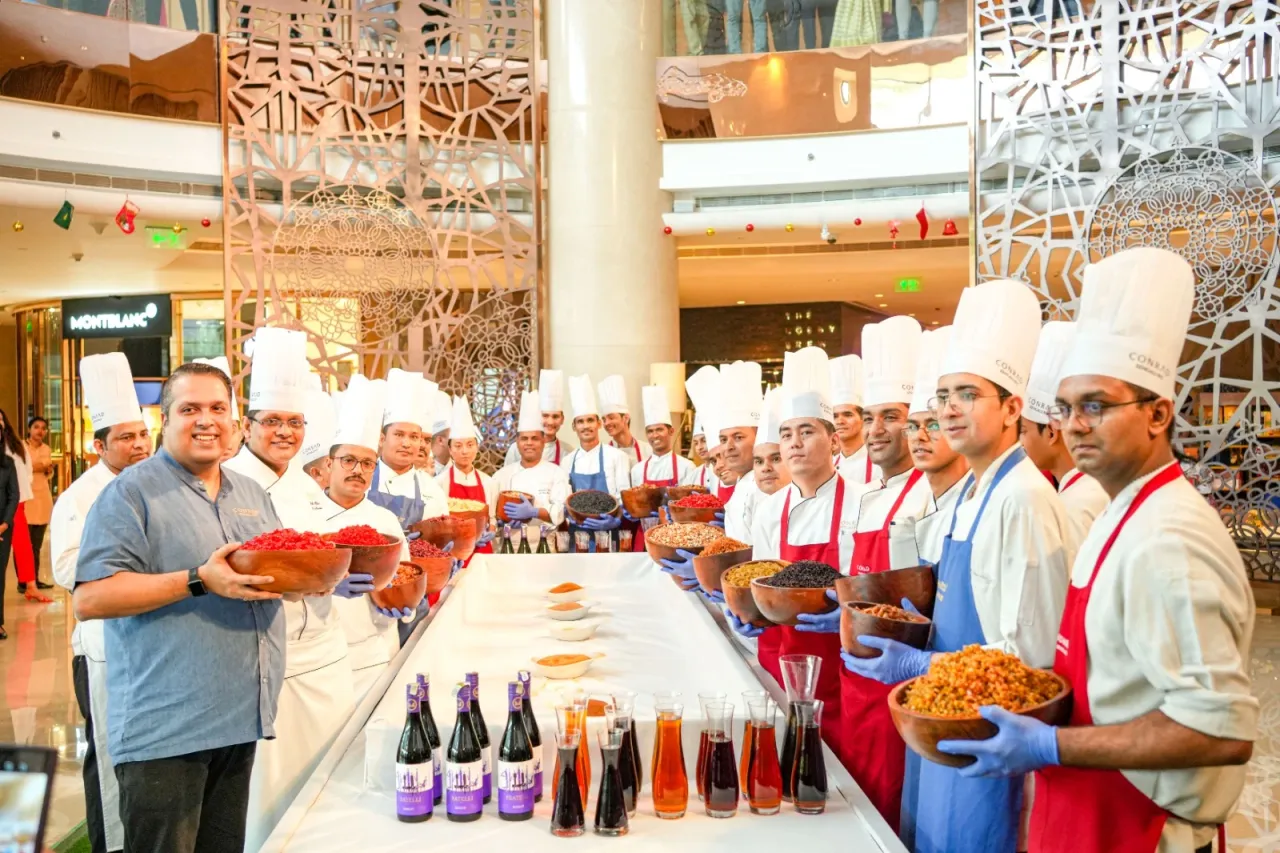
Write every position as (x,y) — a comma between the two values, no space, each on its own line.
(705,474)
(313,457)
(616,418)
(703,388)
(372,638)
(741,399)
(396,475)
(1081,494)
(461,479)
(439,412)
(846,396)
(593,458)
(316,698)
(664,466)
(121,439)
(551,398)
(1159,618)
(769,470)
(533,473)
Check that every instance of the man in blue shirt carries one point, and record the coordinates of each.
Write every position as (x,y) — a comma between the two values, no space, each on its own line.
(195,654)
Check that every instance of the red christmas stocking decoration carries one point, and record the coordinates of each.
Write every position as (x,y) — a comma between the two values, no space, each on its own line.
(924,222)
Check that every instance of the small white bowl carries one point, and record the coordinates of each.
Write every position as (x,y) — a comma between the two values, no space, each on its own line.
(574,632)
(562,597)
(572,670)
(583,608)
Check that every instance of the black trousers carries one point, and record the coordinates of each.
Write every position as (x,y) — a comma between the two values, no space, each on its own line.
(93,819)
(193,803)
(6,545)
(37,542)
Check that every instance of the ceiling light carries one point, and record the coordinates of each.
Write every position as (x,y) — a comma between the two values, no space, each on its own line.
(879,296)
(884,304)
(934,323)
(742,302)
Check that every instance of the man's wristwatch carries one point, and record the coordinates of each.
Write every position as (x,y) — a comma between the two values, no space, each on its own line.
(194,585)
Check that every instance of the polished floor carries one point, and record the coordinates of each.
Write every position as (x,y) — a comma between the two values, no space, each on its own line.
(39,708)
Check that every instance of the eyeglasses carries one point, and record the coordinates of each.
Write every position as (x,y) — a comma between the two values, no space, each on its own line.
(1090,412)
(962,400)
(349,463)
(276,423)
(933,427)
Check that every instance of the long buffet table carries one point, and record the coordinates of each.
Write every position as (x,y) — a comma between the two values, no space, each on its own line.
(491,620)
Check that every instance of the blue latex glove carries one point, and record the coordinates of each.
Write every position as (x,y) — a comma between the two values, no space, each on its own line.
(629,517)
(395,613)
(719,522)
(898,661)
(821,623)
(683,568)
(746,629)
(523,511)
(456,567)
(715,596)
(483,540)
(354,586)
(413,535)
(1021,745)
(602,522)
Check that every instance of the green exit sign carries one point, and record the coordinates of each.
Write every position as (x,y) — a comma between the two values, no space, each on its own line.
(908,285)
(165,238)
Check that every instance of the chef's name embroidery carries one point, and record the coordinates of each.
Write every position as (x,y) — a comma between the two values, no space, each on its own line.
(244,512)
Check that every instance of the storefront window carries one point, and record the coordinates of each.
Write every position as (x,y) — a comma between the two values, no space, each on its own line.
(40,378)
(204,329)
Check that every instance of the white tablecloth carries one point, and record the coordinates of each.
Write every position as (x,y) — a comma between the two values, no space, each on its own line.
(654,637)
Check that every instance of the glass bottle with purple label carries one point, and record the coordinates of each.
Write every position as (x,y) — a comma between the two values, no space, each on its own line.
(414,779)
(464,766)
(516,774)
(535,736)
(482,732)
(433,735)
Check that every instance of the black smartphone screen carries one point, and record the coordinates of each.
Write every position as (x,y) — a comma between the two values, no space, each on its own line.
(26,785)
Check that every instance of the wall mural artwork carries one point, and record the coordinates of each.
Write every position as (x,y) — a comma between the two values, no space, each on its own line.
(380,185)
(1138,123)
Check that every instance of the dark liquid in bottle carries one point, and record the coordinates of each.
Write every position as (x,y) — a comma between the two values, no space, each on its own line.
(630,738)
(567,816)
(611,806)
(789,752)
(629,769)
(704,749)
(720,780)
(810,778)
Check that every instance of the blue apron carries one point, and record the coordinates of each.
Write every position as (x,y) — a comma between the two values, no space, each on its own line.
(583,482)
(408,510)
(948,813)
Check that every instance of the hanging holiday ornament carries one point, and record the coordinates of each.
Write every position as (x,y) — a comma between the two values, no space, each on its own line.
(667,230)
(711,232)
(177,228)
(205,222)
(17,226)
(857,221)
(893,231)
(790,228)
(949,228)
(750,228)
(125,216)
(63,217)
(923,219)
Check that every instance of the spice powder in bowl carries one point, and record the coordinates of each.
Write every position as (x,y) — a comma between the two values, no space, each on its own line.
(685,535)
(698,500)
(805,574)
(959,683)
(421,548)
(888,611)
(591,502)
(358,536)
(744,574)
(288,539)
(723,545)
(464,505)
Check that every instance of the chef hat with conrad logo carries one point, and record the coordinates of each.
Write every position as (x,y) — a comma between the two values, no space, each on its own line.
(613,396)
(657,409)
(741,395)
(360,417)
(108,388)
(1056,340)
(551,390)
(846,380)
(582,396)
(278,377)
(317,409)
(889,351)
(994,334)
(930,352)
(1135,307)
(704,391)
(531,412)
(806,385)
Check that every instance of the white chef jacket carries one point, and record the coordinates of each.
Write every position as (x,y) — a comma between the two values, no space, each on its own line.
(880,497)
(436,469)
(659,468)
(372,639)
(705,475)
(809,522)
(637,452)
(25,492)
(854,468)
(548,452)
(737,517)
(1021,559)
(1170,625)
(617,466)
(931,527)
(1084,499)
(485,481)
(547,482)
(435,501)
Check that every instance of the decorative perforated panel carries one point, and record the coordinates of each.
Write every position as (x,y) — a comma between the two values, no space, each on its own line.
(1150,123)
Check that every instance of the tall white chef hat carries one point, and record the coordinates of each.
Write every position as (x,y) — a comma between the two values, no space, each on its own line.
(1056,341)
(360,418)
(220,362)
(699,429)
(461,425)
(107,383)
(767,432)
(657,409)
(613,396)
(889,351)
(704,390)
(806,385)
(317,408)
(550,390)
(582,396)
(741,395)
(994,334)
(846,380)
(441,409)
(531,412)
(425,402)
(278,377)
(932,349)
(1134,311)
(403,398)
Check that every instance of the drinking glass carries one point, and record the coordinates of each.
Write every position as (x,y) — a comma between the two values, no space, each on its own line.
(749,697)
(670,781)
(611,806)
(582,541)
(704,741)
(562,542)
(624,541)
(809,776)
(720,774)
(764,776)
(632,771)
(648,523)
(800,678)
(568,819)
(604,541)
(571,719)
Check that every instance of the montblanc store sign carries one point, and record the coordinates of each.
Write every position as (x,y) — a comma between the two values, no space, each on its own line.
(148,316)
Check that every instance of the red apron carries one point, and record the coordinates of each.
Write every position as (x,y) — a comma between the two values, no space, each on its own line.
(872,750)
(785,640)
(724,492)
(637,540)
(1071,482)
(470,493)
(1083,810)
(556,461)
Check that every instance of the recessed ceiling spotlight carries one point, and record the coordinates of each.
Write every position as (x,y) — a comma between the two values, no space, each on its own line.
(742,302)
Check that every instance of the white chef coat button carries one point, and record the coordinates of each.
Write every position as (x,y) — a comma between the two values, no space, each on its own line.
(264,680)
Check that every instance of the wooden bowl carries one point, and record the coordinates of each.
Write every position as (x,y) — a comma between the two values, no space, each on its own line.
(294,571)
(923,731)
(675,493)
(917,584)
(709,569)
(665,552)
(742,604)
(693,514)
(481,519)
(512,498)
(436,570)
(405,596)
(579,518)
(462,532)
(854,623)
(377,560)
(643,501)
(781,605)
